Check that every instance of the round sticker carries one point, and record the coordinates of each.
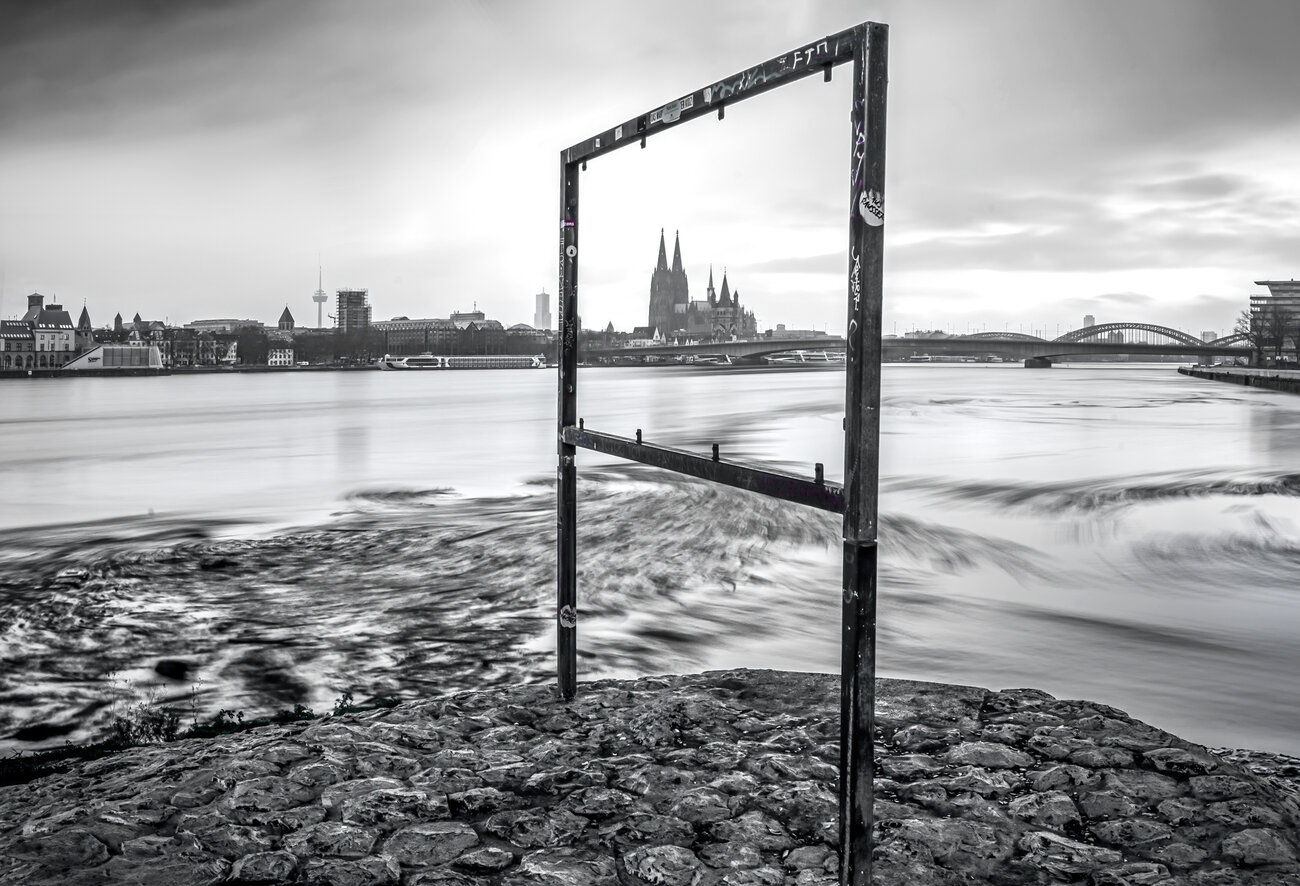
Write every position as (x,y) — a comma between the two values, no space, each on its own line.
(872,206)
(568,616)
(572,250)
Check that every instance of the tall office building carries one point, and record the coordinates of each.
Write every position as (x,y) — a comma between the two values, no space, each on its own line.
(542,316)
(1089,320)
(354,310)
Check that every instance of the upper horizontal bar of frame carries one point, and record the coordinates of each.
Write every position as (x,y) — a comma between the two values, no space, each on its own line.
(826,496)
(794,65)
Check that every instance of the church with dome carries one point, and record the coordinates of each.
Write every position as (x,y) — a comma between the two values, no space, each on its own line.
(674,315)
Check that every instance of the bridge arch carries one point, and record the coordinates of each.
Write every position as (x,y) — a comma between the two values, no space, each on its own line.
(1003,336)
(1235,338)
(1089,332)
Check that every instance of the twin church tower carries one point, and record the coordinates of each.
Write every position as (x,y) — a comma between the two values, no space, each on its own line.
(672,313)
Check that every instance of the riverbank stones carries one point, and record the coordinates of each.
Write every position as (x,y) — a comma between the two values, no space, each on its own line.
(719,779)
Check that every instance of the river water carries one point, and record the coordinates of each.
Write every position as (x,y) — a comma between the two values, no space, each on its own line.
(1113,532)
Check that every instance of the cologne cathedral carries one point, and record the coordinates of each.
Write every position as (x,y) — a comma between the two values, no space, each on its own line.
(719,317)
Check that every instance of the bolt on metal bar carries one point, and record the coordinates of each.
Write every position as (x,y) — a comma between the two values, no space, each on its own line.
(788,487)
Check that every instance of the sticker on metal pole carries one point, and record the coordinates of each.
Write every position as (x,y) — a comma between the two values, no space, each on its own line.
(872,206)
(572,250)
(568,617)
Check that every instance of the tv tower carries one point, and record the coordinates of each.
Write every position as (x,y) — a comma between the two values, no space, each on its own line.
(320,297)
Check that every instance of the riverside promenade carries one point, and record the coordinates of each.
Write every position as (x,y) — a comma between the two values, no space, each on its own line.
(1285,380)
(719,778)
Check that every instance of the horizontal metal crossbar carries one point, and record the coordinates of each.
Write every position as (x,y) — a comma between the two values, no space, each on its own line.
(814,493)
(820,55)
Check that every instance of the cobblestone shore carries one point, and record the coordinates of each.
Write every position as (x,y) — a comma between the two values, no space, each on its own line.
(718,778)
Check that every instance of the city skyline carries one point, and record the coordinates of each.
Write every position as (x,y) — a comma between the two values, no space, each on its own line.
(1135,163)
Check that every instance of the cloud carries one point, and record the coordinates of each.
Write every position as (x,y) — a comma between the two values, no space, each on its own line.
(827,263)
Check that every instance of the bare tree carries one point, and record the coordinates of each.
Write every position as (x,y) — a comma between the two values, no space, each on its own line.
(1267,329)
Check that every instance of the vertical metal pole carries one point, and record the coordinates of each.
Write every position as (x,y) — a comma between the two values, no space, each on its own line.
(566,587)
(862,452)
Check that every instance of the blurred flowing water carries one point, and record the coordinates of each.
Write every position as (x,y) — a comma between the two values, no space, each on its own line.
(254,541)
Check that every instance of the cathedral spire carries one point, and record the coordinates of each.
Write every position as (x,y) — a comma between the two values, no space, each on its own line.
(724,297)
(663,253)
(677,252)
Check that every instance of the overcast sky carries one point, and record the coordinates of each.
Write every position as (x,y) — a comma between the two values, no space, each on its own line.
(1135,161)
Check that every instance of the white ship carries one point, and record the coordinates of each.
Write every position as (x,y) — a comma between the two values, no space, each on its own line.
(464,361)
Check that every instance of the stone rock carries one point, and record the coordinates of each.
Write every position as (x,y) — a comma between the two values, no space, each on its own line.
(476,801)
(981,781)
(265,867)
(1102,758)
(535,828)
(74,847)
(375,871)
(1102,805)
(803,858)
(334,796)
(736,783)
(1053,809)
(1178,855)
(756,828)
(1064,858)
(641,828)
(1145,788)
(760,876)
(1131,832)
(331,838)
(390,808)
(1258,846)
(700,805)
(1005,733)
(1180,810)
(1180,761)
(1057,742)
(319,773)
(565,867)
(731,855)
(1137,873)
(430,843)
(158,872)
(988,755)
(803,807)
(1063,775)
(1212,788)
(1244,812)
(599,801)
(270,793)
(225,839)
(923,738)
(661,866)
(973,807)
(949,842)
(910,766)
(486,858)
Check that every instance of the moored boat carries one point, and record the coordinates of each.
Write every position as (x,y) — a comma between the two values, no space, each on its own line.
(463,361)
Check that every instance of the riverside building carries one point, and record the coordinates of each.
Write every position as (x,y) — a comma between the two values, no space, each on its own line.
(43,339)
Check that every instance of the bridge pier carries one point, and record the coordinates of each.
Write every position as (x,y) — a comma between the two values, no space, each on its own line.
(1038,362)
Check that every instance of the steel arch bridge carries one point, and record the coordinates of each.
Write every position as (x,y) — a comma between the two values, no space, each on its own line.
(1089,332)
(1003,336)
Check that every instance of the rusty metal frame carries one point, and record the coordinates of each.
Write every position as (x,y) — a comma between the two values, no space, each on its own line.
(866,46)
